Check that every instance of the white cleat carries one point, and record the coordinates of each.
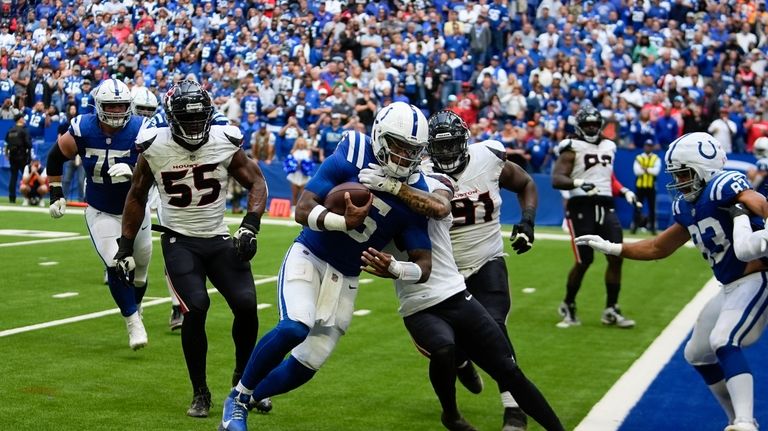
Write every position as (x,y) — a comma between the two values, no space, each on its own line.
(137,335)
(742,426)
(612,316)
(568,313)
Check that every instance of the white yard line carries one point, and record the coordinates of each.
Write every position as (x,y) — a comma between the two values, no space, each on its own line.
(609,413)
(98,314)
(42,241)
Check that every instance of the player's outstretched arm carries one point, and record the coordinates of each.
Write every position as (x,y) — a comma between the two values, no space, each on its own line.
(416,270)
(249,175)
(64,149)
(654,248)
(435,205)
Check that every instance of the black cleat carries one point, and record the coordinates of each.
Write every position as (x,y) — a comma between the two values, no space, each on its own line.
(514,419)
(263,406)
(201,404)
(456,424)
(177,318)
(469,378)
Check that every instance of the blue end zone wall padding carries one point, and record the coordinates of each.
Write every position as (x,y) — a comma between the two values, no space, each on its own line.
(550,211)
(679,400)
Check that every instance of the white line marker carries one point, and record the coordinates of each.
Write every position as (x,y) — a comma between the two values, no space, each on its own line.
(366,280)
(98,314)
(529,289)
(262,306)
(48,263)
(609,413)
(362,312)
(36,233)
(43,241)
(65,295)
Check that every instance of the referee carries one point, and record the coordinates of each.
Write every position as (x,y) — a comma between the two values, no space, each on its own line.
(647,167)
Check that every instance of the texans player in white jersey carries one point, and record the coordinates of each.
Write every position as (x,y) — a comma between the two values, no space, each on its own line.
(192,161)
(480,170)
(585,167)
(736,316)
(441,314)
(318,280)
(105,142)
(145,104)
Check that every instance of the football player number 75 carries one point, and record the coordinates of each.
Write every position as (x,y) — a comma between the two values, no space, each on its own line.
(183,193)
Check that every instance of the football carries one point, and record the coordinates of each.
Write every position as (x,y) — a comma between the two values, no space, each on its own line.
(334,200)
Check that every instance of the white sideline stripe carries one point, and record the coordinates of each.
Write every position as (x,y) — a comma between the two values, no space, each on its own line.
(42,241)
(98,314)
(611,411)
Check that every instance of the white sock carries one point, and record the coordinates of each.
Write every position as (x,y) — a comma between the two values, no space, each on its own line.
(242,389)
(720,391)
(508,401)
(740,388)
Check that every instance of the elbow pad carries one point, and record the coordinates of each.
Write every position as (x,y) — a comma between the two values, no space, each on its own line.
(56,160)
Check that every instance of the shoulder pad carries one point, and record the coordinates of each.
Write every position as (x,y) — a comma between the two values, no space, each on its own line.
(145,138)
(74,125)
(233,134)
(565,145)
(444,180)
(726,186)
(497,148)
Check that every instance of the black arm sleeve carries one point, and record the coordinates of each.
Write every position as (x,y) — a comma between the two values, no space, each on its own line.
(56,160)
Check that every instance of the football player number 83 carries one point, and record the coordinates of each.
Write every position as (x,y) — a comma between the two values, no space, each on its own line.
(183,192)
(709,237)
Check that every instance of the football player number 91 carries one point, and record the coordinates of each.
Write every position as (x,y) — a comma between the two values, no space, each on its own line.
(369,224)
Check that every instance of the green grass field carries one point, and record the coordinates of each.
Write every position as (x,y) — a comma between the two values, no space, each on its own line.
(83,375)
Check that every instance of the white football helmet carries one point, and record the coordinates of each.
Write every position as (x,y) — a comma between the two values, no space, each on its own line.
(144,102)
(112,92)
(399,138)
(761,147)
(692,160)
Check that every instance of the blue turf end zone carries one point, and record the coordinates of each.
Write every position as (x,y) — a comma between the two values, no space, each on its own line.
(679,400)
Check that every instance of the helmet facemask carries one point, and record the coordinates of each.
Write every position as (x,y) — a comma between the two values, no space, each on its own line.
(113,119)
(398,156)
(590,131)
(144,110)
(686,181)
(448,155)
(192,124)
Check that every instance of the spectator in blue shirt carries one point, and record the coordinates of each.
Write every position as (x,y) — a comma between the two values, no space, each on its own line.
(667,128)
(331,135)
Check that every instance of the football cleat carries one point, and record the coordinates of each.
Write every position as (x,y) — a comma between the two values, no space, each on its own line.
(177,319)
(613,316)
(456,424)
(742,426)
(137,335)
(263,406)
(201,404)
(514,419)
(568,313)
(235,415)
(469,378)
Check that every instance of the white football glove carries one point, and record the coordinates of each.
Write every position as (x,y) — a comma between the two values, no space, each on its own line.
(590,188)
(58,208)
(599,244)
(125,266)
(631,198)
(374,178)
(120,170)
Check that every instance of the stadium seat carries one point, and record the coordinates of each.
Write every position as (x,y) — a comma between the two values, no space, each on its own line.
(280,208)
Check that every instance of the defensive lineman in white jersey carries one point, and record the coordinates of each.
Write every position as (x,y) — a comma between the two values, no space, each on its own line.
(191,161)
(480,171)
(441,314)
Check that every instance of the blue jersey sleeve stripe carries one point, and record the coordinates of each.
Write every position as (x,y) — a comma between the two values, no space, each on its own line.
(352,146)
(360,150)
(713,191)
(76,125)
(415,122)
(727,178)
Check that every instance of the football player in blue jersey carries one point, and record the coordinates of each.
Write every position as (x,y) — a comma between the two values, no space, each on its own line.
(759,176)
(736,316)
(318,280)
(105,141)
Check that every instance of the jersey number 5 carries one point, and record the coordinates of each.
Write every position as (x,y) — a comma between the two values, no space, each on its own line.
(184,192)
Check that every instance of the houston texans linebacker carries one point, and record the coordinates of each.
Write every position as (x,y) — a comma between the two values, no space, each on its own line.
(736,316)
(191,160)
(105,142)
(318,280)
(585,167)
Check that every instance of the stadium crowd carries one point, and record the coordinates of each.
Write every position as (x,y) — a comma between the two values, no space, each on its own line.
(514,70)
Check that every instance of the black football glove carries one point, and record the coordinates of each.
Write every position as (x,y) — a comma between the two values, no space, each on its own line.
(125,265)
(522,233)
(245,237)
(737,210)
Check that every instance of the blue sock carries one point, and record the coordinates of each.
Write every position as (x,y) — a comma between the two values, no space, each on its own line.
(140,291)
(712,373)
(733,361)
(122,293)
(271,350)
(289,375)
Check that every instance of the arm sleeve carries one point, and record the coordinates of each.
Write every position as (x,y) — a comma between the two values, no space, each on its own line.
(748,245)
(655,170)
(637,168)
(615,185)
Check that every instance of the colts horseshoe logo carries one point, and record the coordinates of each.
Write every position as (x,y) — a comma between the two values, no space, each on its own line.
(705,155)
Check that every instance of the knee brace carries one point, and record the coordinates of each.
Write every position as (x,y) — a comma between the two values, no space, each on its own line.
(317,347)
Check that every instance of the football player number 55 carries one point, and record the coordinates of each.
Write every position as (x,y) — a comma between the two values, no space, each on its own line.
(183,198)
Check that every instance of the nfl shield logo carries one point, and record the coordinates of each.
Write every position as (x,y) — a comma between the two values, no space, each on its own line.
(334,278)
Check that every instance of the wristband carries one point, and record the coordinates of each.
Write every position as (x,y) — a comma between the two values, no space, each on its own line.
(578,182)
(405,271)
(529,216)
(252,222)
(331,221)
(125,244)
